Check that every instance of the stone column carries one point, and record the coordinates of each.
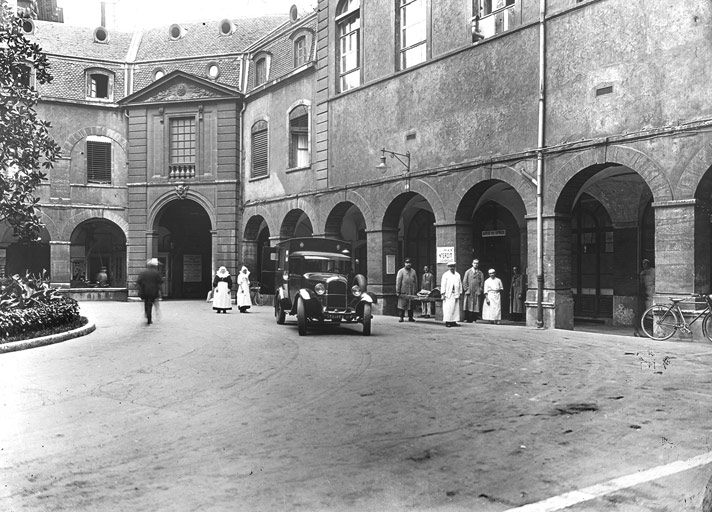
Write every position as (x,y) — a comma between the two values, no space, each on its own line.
(557,299)
(676,260)
(60,263)
(382,247)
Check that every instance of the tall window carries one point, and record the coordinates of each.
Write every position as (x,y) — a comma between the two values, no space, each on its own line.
(260,71)
(299,137)
(260,149)
(301,53)
(183,140)
(98,159)
(348,24)
(412,28)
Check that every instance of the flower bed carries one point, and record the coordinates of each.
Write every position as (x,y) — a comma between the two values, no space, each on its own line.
(29,308)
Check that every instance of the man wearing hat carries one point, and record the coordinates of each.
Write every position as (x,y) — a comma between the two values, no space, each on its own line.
(406,284)
(149,287)
(451,289)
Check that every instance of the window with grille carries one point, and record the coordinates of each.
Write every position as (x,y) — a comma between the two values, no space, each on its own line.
(182,143)
(348,29)
(412,29)
(260,150)
(299,137)
(98,160)
(301,55)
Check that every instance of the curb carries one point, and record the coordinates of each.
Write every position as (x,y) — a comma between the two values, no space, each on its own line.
(47,340)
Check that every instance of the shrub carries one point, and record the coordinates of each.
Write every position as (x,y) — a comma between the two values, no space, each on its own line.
(30,305)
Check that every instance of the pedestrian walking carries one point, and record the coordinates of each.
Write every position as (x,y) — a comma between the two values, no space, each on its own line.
(426,284)
(517,293)
(451,289)
(472,284)
(492,308)
(646,292)
(222,296)
(243,290)
(149,287)
(406,284)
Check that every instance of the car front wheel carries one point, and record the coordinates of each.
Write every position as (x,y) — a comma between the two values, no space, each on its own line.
(279,313)
(367,319)
(301,317)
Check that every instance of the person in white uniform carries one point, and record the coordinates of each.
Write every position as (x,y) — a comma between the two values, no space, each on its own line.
(492,308)
(451,289)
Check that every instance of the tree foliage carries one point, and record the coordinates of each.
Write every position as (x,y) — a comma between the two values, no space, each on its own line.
(26,146)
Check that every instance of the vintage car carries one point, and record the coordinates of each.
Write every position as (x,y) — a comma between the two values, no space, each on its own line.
(316,280)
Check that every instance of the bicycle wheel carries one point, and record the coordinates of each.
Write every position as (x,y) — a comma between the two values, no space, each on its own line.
(707,326)
(659,322)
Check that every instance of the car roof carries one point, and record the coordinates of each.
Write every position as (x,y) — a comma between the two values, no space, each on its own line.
(320,254)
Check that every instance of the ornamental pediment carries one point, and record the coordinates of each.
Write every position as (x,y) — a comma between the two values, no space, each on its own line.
(180,87)
(180,91)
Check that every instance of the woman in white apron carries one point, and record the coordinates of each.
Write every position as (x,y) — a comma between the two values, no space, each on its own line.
(243,290)
(222,284)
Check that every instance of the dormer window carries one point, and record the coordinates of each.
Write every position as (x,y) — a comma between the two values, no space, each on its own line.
(101,35)
(260,72)
(301,54)
(99,84)
(175,32)
(28,26)
(226,27)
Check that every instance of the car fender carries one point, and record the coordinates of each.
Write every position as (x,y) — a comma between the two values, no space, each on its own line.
(307,294)
(367,297)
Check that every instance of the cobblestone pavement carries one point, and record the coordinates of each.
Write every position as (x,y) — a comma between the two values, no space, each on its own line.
(232,412)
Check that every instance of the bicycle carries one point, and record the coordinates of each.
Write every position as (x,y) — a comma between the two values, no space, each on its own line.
(661,321)
(255,294)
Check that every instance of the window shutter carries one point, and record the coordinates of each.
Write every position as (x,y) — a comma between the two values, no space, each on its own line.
(260,150)
(98,162)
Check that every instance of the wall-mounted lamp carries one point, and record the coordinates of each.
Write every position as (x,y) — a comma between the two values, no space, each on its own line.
(382,166)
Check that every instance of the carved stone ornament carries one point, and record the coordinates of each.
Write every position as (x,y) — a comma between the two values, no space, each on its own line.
(182,91)
(182,191)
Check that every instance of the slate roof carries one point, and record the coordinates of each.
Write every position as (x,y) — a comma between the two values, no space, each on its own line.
(204,38)
(70,41)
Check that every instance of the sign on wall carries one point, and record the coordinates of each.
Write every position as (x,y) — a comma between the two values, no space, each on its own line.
(390,264)
(192,268)
(494,232)
(446,254)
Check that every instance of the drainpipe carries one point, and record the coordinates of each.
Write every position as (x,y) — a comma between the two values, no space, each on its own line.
(540,169)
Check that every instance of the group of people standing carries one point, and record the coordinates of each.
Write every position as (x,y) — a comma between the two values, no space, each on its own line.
(222,291)
(476,293)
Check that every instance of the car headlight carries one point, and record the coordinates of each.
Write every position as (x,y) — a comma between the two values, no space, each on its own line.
(356,290)
(320,289)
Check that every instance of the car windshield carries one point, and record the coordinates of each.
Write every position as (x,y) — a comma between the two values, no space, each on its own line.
(325,264)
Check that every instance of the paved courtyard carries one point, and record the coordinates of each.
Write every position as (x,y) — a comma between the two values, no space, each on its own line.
(233,412)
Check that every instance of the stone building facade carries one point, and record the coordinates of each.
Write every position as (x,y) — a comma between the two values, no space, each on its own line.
(572,143)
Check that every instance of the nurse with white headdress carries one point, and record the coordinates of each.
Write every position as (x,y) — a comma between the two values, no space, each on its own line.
(222,283)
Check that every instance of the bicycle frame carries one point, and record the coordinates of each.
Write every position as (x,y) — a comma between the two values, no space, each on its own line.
(662,321)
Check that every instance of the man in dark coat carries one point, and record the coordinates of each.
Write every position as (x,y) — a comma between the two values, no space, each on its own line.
(149,287)
(406,284)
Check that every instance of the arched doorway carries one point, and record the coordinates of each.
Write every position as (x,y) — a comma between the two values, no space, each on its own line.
(185,249)
(97,244)
(346,222)
(256,253)
(23,257)
(492,213)
(606,229)
(296,224)
(408,231)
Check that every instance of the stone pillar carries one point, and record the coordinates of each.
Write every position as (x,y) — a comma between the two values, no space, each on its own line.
(626,238)
(674,248)
(214,263)
(557,298)
(382,250)
(60,263)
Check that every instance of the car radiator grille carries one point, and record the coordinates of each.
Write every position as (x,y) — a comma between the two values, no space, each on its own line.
(335,295)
